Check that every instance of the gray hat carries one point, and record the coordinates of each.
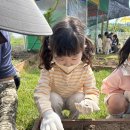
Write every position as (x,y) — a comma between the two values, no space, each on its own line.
(23,16)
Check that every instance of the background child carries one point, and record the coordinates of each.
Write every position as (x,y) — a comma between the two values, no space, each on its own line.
(115,43)
(104,41)
(67,80)
(117,86)
(108,45)
(99,44)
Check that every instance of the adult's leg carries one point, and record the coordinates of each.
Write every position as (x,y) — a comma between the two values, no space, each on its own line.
(8,105)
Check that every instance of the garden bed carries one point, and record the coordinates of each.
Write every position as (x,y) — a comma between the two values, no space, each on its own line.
(105,61)
(118,124)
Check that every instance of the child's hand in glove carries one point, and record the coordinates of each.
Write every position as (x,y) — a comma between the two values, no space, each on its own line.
(87,106)
(51,121)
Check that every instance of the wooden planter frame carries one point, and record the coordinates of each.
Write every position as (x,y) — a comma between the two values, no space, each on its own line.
(118,124)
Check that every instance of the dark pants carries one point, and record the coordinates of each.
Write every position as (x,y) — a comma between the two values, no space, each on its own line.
(115,48)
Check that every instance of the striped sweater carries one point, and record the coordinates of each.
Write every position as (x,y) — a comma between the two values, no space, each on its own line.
(81,79)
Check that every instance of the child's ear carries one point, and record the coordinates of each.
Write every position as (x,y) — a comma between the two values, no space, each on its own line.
(2,38)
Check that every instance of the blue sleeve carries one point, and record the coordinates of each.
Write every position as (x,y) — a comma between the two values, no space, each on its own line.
(0,53)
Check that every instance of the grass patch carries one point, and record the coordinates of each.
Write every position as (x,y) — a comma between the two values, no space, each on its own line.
(17,41)
(15,62)
(27,111)
(110,56)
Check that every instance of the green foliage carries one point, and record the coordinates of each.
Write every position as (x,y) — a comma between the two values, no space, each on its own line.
(48,16)
(17,41)
(50,11)
(117,27)
(27,111)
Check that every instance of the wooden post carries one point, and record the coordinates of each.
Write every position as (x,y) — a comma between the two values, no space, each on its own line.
(96,29)
(86,13)
(102,26)
(107,24)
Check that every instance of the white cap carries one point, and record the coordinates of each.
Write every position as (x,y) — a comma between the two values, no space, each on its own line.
(23,16)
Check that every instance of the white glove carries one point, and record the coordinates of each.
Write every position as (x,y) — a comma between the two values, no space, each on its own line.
(127,95)
(51,121)
(87,106)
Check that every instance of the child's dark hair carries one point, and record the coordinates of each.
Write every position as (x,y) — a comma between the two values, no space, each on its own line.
(124,52)
(115,36)
(68,39)
(111,33)
(106,33)
(99,35)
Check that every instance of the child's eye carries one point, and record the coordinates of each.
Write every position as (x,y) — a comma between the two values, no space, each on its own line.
(59,59)
(74,59)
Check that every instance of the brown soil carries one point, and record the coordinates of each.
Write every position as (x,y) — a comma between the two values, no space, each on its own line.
(22,55)
(118,124)
(103,61)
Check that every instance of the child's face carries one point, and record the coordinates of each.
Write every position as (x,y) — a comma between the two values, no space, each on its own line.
(68,60)
(128,58)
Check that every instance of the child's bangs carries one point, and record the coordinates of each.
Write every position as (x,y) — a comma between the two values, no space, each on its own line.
(67,47)
(66,51)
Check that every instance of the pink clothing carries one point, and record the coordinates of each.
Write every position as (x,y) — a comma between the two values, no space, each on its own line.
(116,82)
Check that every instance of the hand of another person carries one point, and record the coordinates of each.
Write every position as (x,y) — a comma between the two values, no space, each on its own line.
(17,81)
